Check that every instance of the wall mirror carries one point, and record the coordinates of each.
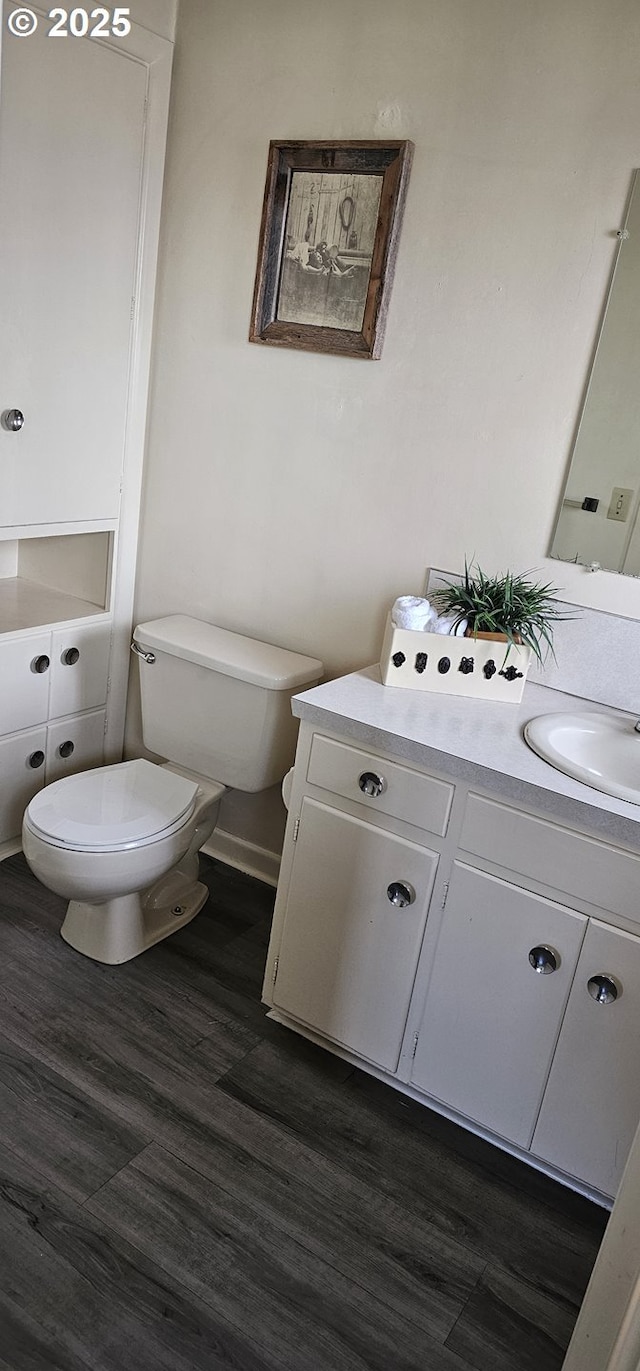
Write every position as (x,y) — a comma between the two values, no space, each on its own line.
(599,519)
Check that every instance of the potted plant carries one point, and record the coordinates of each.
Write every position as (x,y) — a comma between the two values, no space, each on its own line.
(509,608)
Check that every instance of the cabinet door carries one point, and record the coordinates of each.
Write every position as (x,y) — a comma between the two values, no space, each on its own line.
(72,118)
(591,1106)
(75,745)
(21,776)
(79,668)
(24,681)
(491,1021)
(348,955)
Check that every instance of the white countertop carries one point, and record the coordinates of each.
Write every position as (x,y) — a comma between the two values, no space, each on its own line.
(477,741)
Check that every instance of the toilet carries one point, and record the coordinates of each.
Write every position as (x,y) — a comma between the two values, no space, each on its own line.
(121,842)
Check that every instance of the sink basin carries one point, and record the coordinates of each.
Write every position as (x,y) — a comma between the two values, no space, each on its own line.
(603,750)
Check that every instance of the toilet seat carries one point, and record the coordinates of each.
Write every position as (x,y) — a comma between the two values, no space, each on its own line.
(112,808)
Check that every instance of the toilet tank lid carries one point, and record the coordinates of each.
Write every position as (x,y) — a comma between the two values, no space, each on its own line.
(273,668)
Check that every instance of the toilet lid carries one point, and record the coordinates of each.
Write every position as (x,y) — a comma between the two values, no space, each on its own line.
(112,807)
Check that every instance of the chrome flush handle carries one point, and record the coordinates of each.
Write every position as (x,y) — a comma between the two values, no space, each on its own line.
(149,657)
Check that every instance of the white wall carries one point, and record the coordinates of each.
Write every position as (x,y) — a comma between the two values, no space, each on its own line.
(157,15)
(292,496)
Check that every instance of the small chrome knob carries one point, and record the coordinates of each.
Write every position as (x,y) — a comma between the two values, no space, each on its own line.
(67,748)
(40,664)
(401,893)
(543,960)
(372,785)
(70,656)
(36,759)
(603,989)
(13,420)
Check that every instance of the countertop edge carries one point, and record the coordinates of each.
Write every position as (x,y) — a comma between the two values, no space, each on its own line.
(595,813)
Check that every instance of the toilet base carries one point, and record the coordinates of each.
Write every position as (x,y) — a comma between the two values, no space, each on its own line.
(118,930)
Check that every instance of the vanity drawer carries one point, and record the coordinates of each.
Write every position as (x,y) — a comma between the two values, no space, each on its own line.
(404,794)
(573,863)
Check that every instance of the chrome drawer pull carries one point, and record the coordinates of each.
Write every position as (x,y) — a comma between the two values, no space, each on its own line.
(543,960)
(401,893)
(372,785)
(603,989)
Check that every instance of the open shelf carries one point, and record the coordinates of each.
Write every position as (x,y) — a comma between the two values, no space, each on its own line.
(27,604)
(46,581)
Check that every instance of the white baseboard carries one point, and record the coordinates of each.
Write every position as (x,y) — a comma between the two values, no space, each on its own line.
(245,856)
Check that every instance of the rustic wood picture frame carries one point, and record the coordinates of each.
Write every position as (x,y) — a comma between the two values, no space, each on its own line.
(328,242)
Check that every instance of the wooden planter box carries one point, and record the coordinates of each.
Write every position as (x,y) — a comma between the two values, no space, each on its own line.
(477,668)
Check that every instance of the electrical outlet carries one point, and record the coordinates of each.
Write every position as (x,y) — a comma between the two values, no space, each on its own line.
(620,504)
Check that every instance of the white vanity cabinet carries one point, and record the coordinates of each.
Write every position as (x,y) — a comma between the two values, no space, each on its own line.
(53,691)
(470,951)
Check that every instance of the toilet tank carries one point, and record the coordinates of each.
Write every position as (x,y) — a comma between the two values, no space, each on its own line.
(218,703)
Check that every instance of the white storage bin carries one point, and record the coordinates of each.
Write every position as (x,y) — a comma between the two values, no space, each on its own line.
(476,667)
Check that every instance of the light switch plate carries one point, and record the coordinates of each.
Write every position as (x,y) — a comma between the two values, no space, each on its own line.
(620,504)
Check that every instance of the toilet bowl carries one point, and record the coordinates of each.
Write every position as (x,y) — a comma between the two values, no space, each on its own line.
(121,844)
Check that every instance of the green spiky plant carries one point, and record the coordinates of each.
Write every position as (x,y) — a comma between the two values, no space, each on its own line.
(524,610)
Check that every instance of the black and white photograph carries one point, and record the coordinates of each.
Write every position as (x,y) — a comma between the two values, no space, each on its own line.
(328,242)
(329,237)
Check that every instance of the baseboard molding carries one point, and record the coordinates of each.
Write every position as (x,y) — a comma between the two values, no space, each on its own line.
(245,856)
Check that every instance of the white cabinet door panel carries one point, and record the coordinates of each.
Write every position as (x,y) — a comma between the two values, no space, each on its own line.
(591,1105)
(79,668)
(71,140)
(75,745)
(21,776)
(24,691)
(348,955)
(491,1021)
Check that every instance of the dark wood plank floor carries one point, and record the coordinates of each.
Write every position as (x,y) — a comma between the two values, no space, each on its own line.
(185,1184)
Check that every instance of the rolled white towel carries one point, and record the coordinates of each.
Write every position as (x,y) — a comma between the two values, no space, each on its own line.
(412,611)
(444,624)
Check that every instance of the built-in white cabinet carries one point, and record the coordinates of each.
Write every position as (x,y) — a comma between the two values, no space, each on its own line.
(72,139)
(53,692)
(82,140)
(477,954)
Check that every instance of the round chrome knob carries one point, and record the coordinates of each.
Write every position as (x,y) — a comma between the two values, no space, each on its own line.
(40,664)
(67,748)
(543,960)
(70,656)
(603,989)
(13,420)
(36,759)
(370,784)
(401,893)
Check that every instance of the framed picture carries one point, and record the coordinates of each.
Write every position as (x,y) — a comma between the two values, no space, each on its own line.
(328,242)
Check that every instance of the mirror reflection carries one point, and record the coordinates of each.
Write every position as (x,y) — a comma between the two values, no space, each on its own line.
(598,520)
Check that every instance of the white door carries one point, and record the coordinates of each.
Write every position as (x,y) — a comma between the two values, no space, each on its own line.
(491,1019)
(25,673)
(591,1106)
(22,760)
(348,955)
(72,118)
(79,668)
(74,745)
